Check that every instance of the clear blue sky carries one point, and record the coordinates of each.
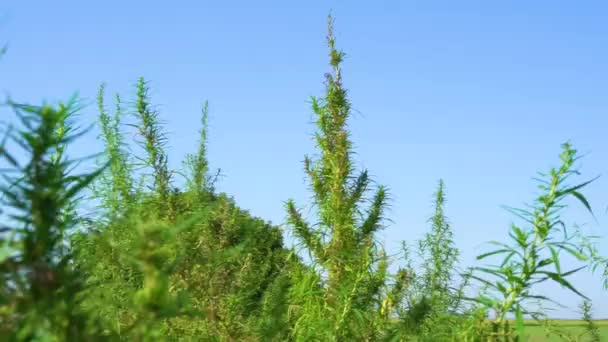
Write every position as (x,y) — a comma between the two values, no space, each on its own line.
(479,93)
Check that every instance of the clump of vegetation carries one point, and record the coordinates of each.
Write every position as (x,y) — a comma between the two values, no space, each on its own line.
(433,304)
(337,298)
(155,261)
(40,286)
(591,328)
(535,250)
(115,186)
(222,258)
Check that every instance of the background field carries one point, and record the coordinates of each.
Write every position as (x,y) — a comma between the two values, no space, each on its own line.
(537,333)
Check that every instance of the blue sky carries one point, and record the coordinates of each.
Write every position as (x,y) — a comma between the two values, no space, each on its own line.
(478,93)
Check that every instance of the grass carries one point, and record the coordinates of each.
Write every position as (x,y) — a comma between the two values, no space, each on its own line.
(536,332)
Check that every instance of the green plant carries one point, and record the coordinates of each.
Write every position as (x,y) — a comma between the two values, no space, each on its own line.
(227,262)
(153,143)
(337,298)
(40,291)
(155,256)
(535,249)
(115,186)
(440,256)
(588,246)
(160,262)
(432,301)
(591,328)
(197,166)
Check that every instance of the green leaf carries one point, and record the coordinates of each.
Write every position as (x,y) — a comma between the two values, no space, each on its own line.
(527,296)
(84,182)
(563,282)
(520,237)
(488,302)
(576,187)
(499,244)
(572,251)
(485,255)
(501,287)
(488,283)
(583,200)
(555,257)
(544,262)
(572,271)
(506,260)
(499,273)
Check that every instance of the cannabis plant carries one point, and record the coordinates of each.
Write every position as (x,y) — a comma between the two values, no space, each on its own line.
(536,250)
(338,298)
(153,141)
(200,181)
(140,267)
(40,290)
(440,256)
(431,306)
(591,328)
(115,186)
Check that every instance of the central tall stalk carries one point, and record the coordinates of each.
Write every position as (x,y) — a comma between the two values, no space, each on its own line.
(342,240)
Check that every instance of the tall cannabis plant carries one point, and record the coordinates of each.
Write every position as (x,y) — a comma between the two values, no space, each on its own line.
(535,252)
(430,306)
(40,288)
(115,187)
(590,327)
(153,141)
(342,294)
(440,255)
(199,178)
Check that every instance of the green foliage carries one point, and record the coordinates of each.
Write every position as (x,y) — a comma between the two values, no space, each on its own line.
(141,267)
(338,298)
(153,141)
(591,328)
(230,264)
(199,179)
(114,187)
(440,257)
(588,246)
(39,291)
(156,262)
(535,250)
(432,304)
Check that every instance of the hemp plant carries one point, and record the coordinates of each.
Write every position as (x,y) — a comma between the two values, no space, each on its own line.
(428,310)
(338,300)
(534,257)
(438,249)
(116,184)
(153,142)
(590,327)
(197,165)
(40,287)
(155,256)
